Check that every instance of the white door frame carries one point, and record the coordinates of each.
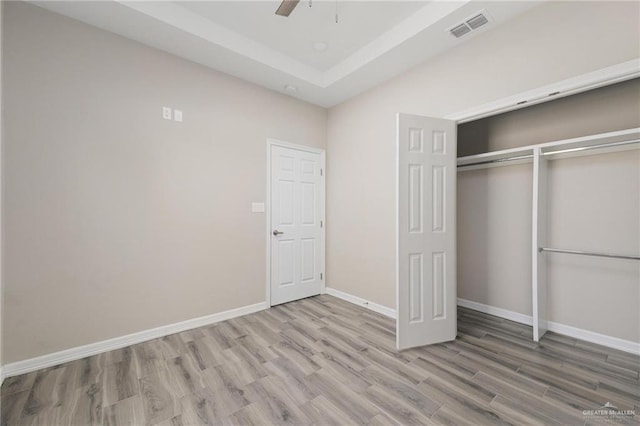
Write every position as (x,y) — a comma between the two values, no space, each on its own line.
(271,143)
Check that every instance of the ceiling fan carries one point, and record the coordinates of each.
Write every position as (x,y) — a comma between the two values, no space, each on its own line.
(286,7)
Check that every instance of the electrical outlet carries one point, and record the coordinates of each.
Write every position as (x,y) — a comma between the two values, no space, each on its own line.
(177,115)
(166,113)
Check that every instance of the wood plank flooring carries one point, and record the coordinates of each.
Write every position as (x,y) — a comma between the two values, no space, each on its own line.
(327,362)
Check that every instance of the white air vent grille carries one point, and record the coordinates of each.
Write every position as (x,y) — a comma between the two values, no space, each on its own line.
(460,30)
(470,24)
(477,21)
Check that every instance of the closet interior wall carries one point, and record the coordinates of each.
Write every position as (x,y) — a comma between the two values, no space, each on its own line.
(593,204)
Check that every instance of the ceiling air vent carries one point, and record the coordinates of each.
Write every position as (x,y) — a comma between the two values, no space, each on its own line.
(477,21)
(460,30)
(470,24)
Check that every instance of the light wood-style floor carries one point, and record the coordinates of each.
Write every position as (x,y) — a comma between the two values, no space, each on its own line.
(325,361)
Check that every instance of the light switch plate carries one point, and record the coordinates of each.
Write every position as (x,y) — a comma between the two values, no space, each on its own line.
(177,115)
(257,207)
(166,113)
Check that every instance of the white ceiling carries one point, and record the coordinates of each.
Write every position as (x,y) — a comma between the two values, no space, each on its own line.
(373,40)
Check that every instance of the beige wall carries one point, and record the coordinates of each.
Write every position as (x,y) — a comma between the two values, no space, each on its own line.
(542,46)
(115,220)
(494,237)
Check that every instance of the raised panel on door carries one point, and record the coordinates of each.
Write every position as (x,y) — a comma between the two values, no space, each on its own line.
(308,203)
(426,280)
(308,259)
(416,206)
(286,273)
(285,211)
(439,296)
(416,287)
(296,185)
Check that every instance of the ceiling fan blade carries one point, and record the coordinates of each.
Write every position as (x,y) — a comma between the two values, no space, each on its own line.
(286,7)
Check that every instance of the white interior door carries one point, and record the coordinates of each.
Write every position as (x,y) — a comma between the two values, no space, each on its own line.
(426,225)
(296,224)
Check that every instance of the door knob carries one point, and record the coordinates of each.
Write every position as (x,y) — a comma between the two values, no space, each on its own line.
(276,233)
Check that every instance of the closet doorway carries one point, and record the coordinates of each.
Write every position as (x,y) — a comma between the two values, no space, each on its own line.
(530,297)
(548,214)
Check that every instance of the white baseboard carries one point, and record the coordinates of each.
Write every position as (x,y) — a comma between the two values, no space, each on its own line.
(1,376)
(498,312)
(566,330)
(590,336)
(56,358)
(391,313)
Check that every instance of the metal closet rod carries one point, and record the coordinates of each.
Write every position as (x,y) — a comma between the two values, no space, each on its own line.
(588,253)
(498,160)
(523,157)
(585,148)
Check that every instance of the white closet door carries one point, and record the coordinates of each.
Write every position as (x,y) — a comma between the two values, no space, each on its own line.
(426,225)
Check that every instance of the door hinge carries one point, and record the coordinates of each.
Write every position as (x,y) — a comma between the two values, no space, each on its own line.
(320,172)
(321,224)
(320,276)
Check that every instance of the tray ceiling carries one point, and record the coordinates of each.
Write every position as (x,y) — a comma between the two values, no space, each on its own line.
(372,41)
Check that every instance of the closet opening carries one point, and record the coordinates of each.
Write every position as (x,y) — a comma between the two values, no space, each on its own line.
(537,189)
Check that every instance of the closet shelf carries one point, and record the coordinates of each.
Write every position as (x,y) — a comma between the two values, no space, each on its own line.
(496,158)
(605,142)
